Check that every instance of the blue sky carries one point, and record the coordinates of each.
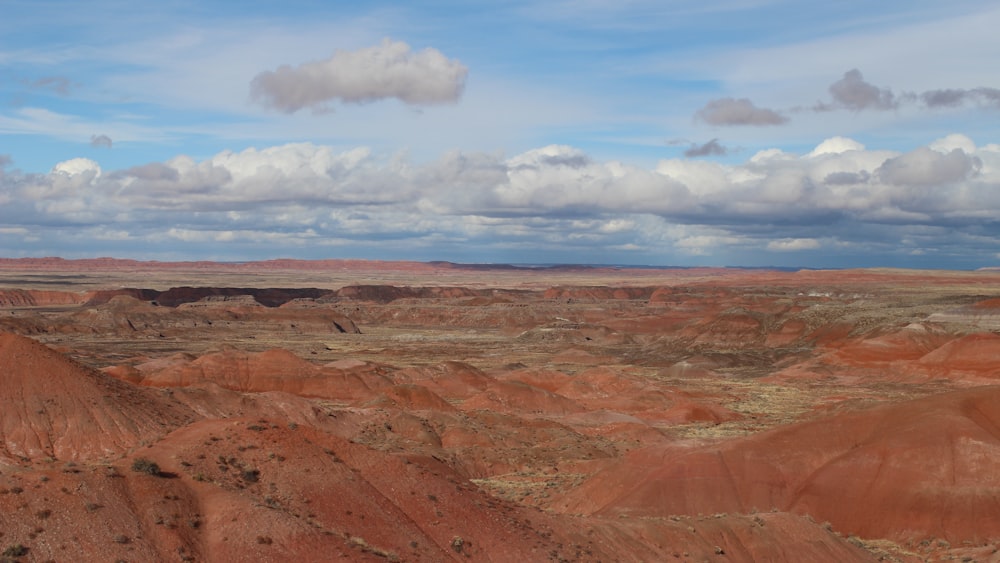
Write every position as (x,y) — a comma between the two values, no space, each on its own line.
(672,132)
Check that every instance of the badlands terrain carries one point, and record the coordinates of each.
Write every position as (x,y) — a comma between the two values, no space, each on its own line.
(379,411)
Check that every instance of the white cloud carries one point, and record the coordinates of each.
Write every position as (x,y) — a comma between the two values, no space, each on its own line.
(952,142)
(389,70)
(927,167)
(78,166)
(703,244)
(836,145)
(793,244)
(839,197)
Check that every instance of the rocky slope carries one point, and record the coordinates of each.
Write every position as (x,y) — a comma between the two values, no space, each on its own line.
(563,415)
(146,478)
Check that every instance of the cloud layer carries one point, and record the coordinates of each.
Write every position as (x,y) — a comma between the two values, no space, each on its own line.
(388,70)
(836,200)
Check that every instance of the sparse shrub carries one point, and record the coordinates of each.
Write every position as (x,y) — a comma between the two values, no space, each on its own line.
(147,466)
(43,514)
(251,475)
(264,540)
(256,428)
(16,550)
(121,538)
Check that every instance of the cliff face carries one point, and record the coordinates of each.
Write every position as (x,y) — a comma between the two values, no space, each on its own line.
(215,315)
(39,298)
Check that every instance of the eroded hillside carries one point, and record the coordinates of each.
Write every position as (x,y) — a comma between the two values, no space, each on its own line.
(514,415)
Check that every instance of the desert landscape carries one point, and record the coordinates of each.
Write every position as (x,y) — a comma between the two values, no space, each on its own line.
(568,281)
(392,411)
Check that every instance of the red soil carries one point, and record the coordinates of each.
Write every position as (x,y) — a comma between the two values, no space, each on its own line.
(272,370)
(976,355)
(924,468)
(697,416)
(54,408)
(39,298)
(268,477)
(988,304)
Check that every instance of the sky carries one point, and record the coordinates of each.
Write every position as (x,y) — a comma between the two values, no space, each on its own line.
(658,132)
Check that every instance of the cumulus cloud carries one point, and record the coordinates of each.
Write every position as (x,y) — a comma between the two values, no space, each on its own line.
(100,141)
(793,244)
(77,167)
(730,111)
(388,70)
(927,167)
(854,93)
(954,141)
(840,197)
(836,145)
(711,148)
